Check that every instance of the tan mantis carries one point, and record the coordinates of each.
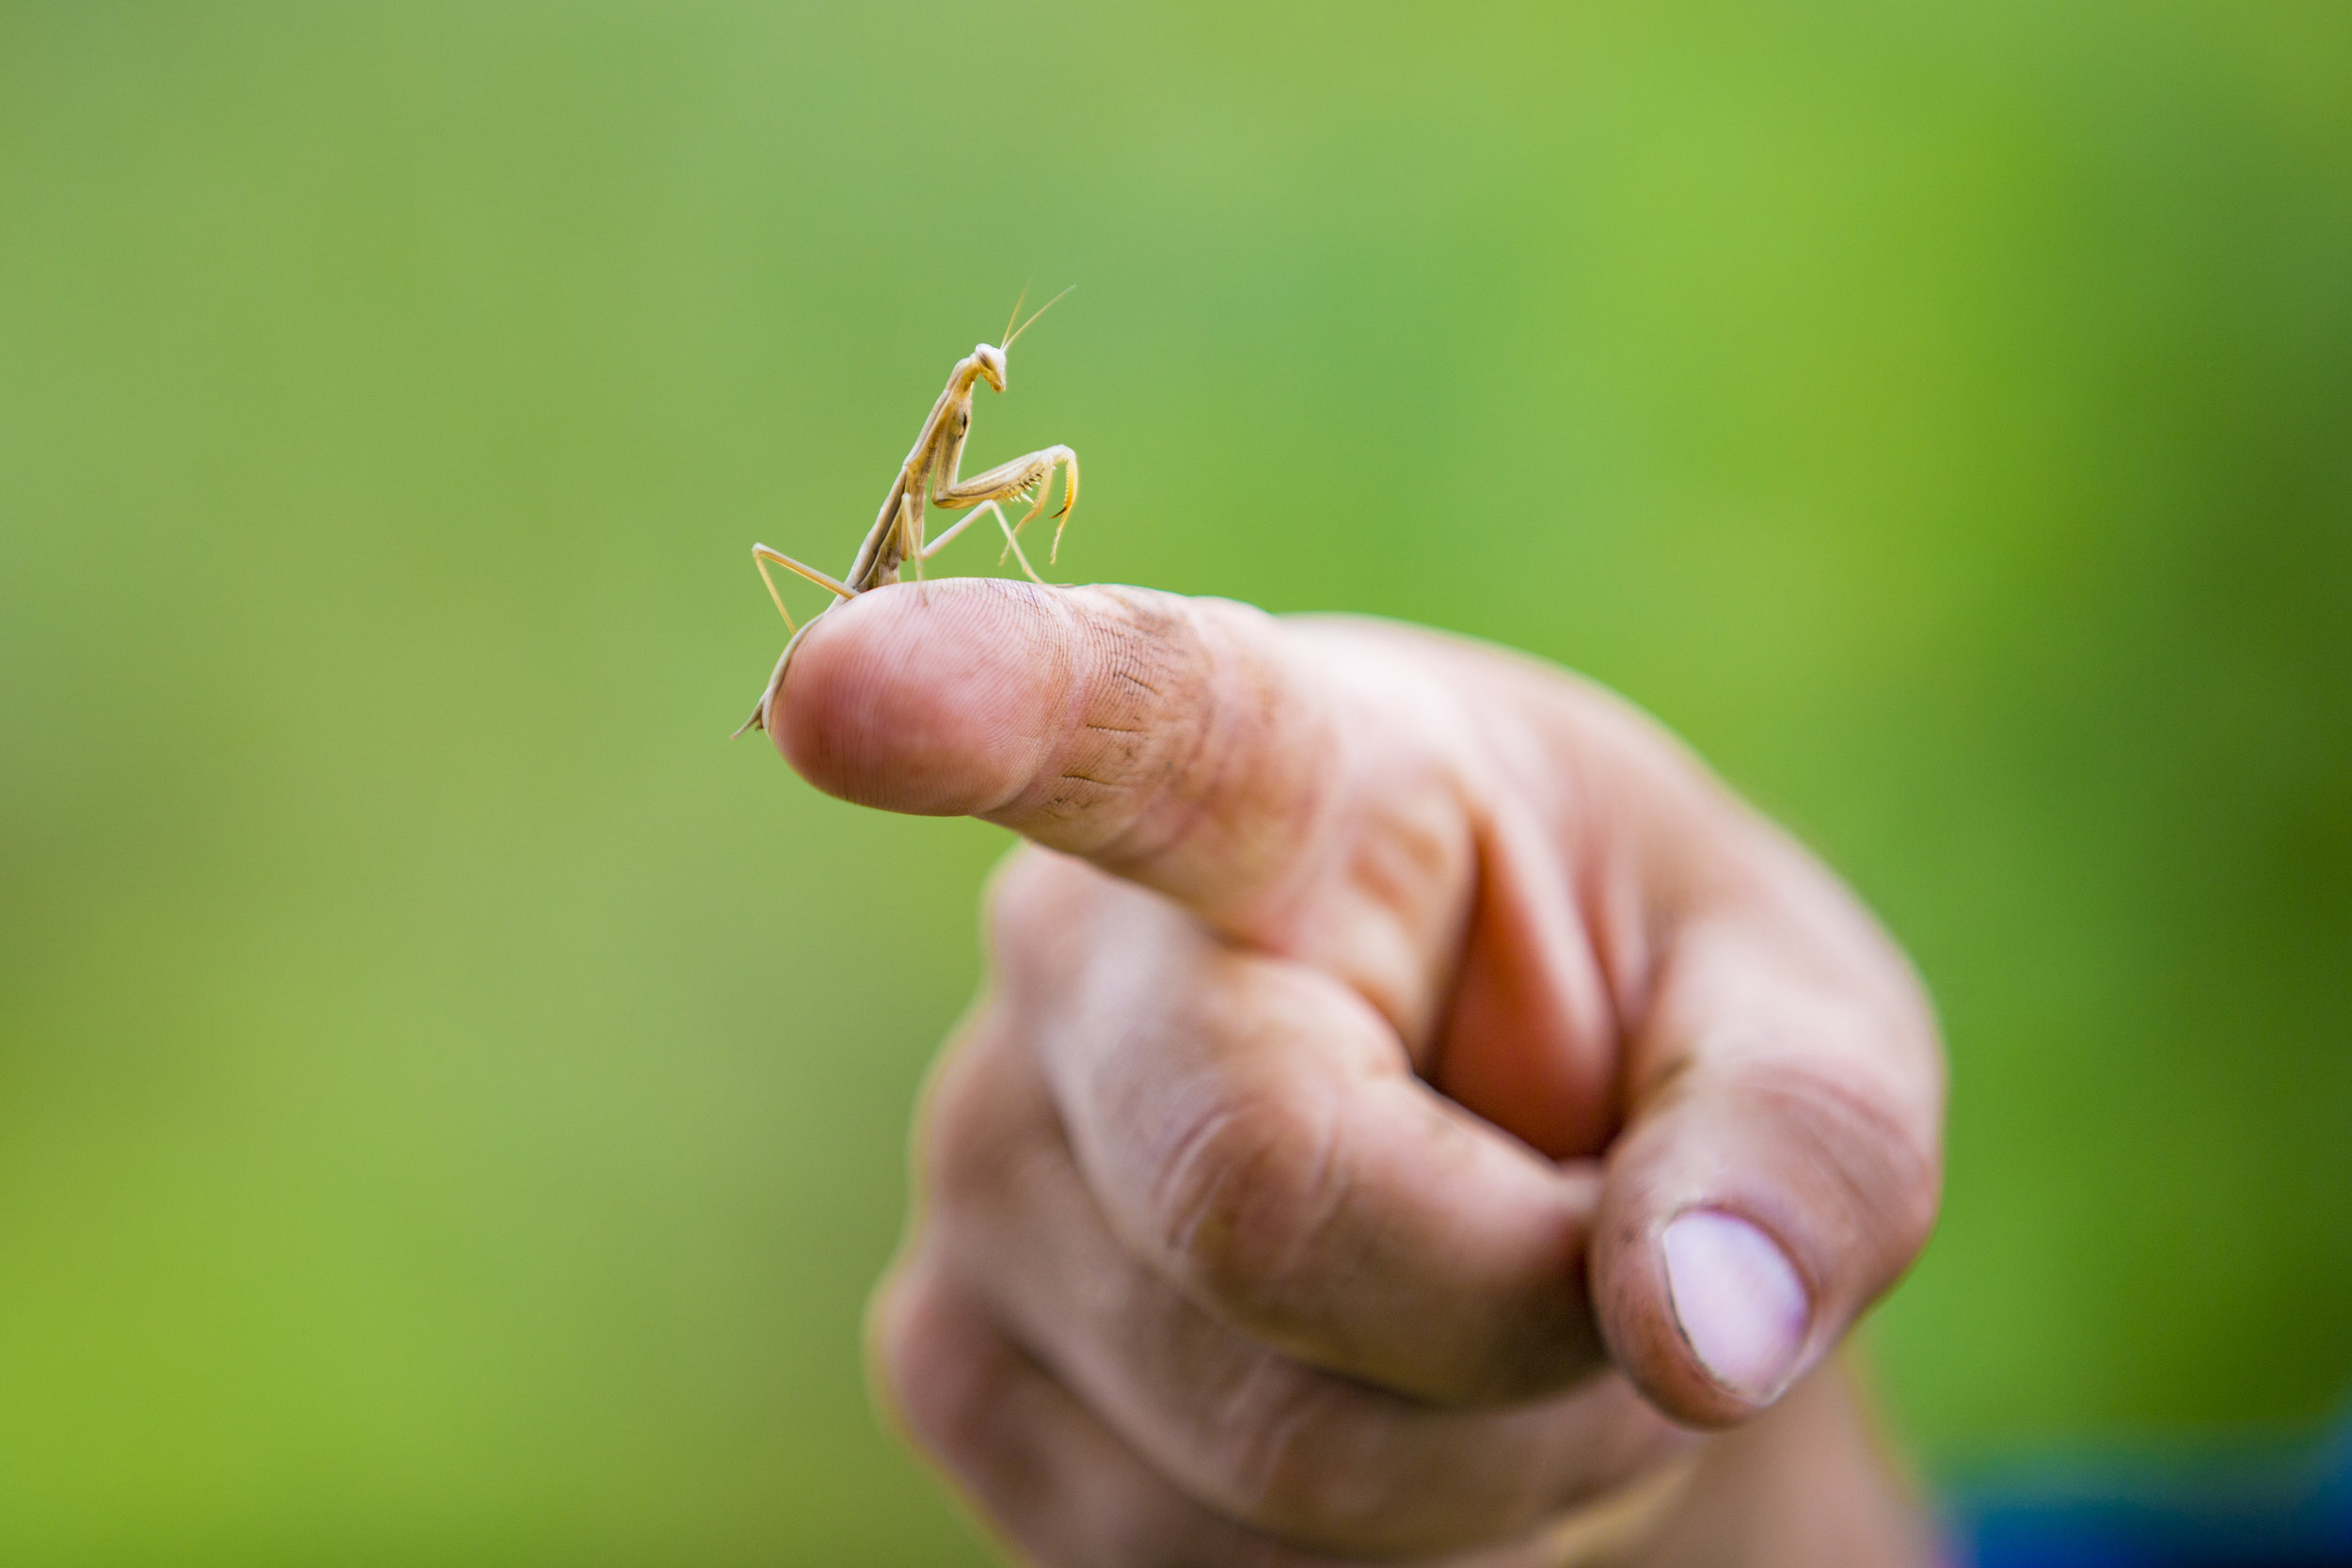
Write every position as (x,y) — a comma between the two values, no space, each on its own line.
(897,537)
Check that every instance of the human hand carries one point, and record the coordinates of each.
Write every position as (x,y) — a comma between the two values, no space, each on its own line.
(1412,1093)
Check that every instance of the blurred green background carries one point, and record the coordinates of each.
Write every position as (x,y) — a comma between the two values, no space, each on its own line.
(451,1102)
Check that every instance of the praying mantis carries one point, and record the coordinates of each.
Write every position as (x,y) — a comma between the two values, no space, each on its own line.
(897,537)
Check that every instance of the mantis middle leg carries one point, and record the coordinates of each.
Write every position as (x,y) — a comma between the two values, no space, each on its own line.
(1012,540)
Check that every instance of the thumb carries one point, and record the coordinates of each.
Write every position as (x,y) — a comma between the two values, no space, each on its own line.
(1171,741)
(1780,1167)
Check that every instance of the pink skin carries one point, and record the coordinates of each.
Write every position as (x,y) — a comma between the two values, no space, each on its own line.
(1412,1098)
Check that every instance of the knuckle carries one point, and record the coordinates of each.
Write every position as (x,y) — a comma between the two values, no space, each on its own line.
(982,1120)
(1020,894)
(956,1146)
(1249,1188)
(1281,1457)
(928,1372)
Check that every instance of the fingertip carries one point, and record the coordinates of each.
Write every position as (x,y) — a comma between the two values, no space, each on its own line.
(1174,742)
(924,698)
(1745,1226)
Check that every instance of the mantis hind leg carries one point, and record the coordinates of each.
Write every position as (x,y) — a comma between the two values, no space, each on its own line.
(759,720)
(761,556)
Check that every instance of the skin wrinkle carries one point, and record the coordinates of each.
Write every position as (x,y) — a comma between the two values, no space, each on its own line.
(1175,771)
(1328,1194)
(1213,737)
(1040,741)
(1107,657)
(1050,742)
(1182,1202)
(1145,686)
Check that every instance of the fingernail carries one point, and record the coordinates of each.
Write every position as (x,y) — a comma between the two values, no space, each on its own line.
(1737,1300)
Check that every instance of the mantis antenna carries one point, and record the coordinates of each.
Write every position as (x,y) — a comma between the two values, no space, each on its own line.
(1013,332)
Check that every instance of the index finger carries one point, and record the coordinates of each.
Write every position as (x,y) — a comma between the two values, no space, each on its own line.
(1171,741)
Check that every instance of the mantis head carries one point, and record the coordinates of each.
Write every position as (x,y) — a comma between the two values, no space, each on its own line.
(990,361)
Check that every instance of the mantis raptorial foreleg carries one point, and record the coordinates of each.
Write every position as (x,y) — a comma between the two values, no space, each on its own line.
(1030,478)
